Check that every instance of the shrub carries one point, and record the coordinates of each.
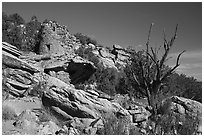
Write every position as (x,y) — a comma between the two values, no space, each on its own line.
(32,37)
(11,30)
(106,79)
(171,123)
(25,36)
(183,86)
(84,39)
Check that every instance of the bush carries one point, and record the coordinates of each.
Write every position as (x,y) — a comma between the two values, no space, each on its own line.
(176,84)
(32,37)
(25,36)
(183,86)
(107,80)
(176,124)
(84,39)
(11,30)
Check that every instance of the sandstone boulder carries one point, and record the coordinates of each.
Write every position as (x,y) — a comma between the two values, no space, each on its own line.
(139,114)
(18,81)
(117,47)
(76,103)
(109,67)
(11,49)
(77,69)
(14,62)
(35,57)
(80,70)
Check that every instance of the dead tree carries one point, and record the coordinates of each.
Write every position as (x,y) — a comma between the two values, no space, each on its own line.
(152,85)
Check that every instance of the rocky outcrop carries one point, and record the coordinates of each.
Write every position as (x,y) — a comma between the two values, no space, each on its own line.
(76,103)
(50,76)
(11,49)
(121,55)
(35,57)
(139,114)
(109,66)
(12,61)
(63,61)
(18,81)
(78,69)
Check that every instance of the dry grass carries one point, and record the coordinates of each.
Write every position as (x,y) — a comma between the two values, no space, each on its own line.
(114,125)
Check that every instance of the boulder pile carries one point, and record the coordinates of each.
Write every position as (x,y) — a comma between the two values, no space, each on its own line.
(33,83)
(42,93)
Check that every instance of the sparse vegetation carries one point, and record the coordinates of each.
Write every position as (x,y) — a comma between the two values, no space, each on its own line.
(25,36)
(145,75)
(84,39)
(153,72)
(183,86)
(176,124)
(115,126)
(107,80)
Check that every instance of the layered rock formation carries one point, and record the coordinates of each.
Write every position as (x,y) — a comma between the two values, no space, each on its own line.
(109,63)
(49,76)
(43,93)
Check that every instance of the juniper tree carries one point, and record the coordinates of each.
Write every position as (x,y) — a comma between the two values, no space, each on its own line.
(154,71)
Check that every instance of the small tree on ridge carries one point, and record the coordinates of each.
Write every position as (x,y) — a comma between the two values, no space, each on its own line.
(152,75)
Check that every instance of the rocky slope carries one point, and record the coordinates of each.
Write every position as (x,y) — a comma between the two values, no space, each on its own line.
(41,93)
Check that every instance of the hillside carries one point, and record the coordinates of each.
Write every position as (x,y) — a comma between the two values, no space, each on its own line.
(58,83)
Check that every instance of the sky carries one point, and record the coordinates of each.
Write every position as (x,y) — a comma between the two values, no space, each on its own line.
(127,24)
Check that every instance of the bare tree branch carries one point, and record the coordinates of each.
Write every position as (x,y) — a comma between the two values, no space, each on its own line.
(147,51)
(165,41)
(157,52)
(150,29)
(152,81)
(136,80)
(167,46)
(154,54)
(152,58)
(174,37)
(172,69)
